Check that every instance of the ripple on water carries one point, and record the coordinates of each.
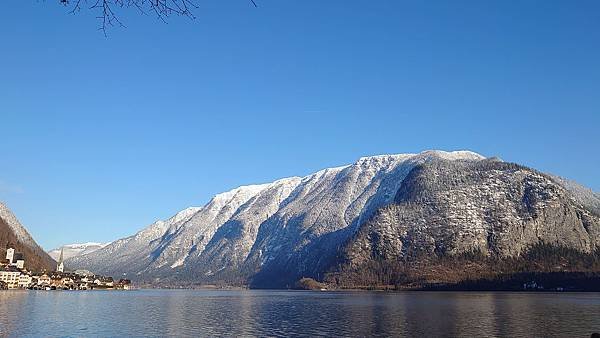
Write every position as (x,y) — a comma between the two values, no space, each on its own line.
(193,313)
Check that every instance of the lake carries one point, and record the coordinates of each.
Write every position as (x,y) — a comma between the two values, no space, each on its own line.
(291,313)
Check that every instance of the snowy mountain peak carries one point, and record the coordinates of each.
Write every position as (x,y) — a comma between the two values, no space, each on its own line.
(382,158)
(285,181)
(157,229)
(76,249)
(244,191)
(454,155)
(185,213)
(427,154)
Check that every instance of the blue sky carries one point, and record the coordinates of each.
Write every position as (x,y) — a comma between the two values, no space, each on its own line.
(102,136)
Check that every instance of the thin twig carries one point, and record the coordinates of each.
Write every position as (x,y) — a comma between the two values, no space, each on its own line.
(161,8)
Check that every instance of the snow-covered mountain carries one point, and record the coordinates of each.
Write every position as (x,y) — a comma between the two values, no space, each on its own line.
(13,234)
(271,234)
(253,224)
(72,250)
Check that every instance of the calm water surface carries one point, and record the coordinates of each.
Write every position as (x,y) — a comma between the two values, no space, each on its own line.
(296,313)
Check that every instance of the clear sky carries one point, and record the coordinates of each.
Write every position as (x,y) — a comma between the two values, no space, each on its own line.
(100,137)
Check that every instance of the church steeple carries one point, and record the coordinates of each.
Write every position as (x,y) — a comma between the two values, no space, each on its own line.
(60,267)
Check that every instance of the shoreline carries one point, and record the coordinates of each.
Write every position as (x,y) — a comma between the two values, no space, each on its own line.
(328,290)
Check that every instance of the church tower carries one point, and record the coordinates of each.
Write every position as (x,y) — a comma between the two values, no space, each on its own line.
(60,267)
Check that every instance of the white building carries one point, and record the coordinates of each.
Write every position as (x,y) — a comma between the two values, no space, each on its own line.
(10,275)
(44,280)
(25,281)
(15,259)
(10,254)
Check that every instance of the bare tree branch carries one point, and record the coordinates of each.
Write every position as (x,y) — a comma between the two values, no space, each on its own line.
(161,8)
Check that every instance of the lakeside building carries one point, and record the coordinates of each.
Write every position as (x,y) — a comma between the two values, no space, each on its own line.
(44,280)
(25,280)
(10,276)
(104,282)
(13,275)
(123,284)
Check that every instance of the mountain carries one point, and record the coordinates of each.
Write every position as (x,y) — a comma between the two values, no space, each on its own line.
(13,234)
(72,250)
(373,216)
(465,220)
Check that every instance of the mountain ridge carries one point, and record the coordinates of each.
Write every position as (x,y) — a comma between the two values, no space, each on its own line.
(270,234)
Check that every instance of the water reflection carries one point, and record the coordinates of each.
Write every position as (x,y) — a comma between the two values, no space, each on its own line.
(9,320)
(283,313)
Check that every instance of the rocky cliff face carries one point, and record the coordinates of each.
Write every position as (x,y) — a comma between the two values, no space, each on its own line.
(384,208)
(13,234)
(451,209)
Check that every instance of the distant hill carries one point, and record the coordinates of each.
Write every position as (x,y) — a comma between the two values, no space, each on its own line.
(74,250)
(13,234)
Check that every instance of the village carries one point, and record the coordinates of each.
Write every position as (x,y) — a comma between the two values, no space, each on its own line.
(14,275)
